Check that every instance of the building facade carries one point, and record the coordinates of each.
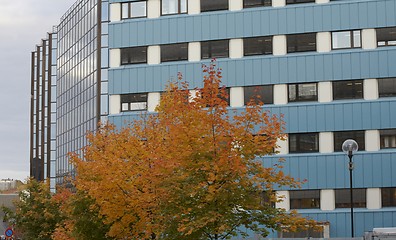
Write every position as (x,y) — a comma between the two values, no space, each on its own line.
(327,66)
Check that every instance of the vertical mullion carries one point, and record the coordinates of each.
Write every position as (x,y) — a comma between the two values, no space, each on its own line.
(32,114)
(43,99)
(36,161)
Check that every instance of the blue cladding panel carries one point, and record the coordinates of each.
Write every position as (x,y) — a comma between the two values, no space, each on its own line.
(304,67)
(340,221)
(329,171)
(253,22)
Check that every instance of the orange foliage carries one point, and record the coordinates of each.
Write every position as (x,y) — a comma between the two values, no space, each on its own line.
(191,171)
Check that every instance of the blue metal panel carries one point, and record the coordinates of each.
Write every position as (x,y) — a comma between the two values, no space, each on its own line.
(381,9)
(299,67)
(390,9)
(354,14)
(282,20)
(302,119)
(309,19)
(330,171)
(355,66)
(344,11)
(273,21)
(300,23)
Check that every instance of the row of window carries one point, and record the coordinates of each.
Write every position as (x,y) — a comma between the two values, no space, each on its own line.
(309,142)
(352,89)
(305,42)
(138,9)
(308,199)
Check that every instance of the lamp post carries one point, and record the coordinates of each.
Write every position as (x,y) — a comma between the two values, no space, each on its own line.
(349,147)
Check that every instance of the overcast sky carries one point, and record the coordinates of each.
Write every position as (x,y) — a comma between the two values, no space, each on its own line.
(23,23)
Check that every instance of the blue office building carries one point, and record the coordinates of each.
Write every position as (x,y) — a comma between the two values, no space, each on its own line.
(328,66)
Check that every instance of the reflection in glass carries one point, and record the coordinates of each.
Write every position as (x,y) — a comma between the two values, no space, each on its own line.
(173,6)
(342,198)
(303,92)
(344,39)
(138,9)
(387,87)
(303,142)
(215,49)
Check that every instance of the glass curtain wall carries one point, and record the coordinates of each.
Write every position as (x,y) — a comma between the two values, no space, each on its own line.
(78,84)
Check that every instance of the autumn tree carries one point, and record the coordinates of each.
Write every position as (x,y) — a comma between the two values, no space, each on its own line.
(193,170)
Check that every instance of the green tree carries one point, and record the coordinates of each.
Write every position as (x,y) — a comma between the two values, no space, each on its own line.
(36,215)
(81,217)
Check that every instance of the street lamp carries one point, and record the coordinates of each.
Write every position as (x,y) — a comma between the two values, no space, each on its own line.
(349,147)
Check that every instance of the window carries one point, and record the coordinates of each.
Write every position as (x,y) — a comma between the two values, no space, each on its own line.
(346,39)
(267,198)
(133,102)
(263,94)
(174,52)
(257,46)
(303,142)
(303,92)
(304,199)
(173,7)
(257,3)
(388,196)
(343,198)
(134,9)
(215,49)
(348,89)
(211,5)
(305,42)
(386,37)
(340,137)
(387,87)
(133,55)
(388,138)
(301,234)
(299,1)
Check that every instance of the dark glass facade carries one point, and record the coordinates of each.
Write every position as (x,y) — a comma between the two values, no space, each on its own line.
(43,111)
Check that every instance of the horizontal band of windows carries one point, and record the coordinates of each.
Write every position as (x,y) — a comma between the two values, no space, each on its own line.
(264,45)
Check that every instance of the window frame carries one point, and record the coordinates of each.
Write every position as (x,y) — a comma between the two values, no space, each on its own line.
(298,97)
(296,39)
(183,58)
(351,40)
(129,49)
(297,198)
(210,48)
(351,135)
(247,45)
(354,88)
(255,97)
(289,2)
(298,142)
(130,95)
(130,12)
(213,10)
(356,197)
(385,95)
(178,8)
(388,133)
(391,202)
(386,43)
(264,3)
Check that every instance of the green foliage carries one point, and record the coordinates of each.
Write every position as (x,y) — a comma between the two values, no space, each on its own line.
(35,216)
